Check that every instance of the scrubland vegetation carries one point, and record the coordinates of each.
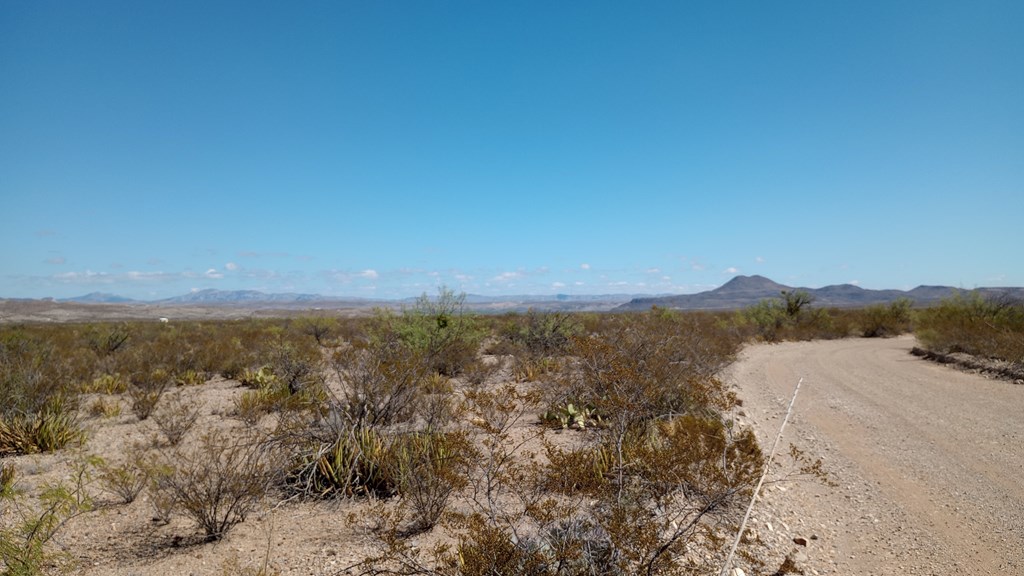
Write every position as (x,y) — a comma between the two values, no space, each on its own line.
(986,327)
(532,443)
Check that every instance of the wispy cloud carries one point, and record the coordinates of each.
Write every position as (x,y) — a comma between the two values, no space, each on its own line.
(759,260)
(585,266)
(369,273)
(56,260)
(231,266)
(507,277)
(85,277)
(732,270)
(213,273)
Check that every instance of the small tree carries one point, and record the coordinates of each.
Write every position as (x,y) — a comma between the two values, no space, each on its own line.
(795,301)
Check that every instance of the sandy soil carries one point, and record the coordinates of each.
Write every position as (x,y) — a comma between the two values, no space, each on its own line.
(927,459)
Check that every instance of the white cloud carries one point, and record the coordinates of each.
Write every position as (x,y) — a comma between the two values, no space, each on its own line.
(369,273)
(585,266)
(654,270)
(759,260)
(732,270)
(231,266)
(507,276)
(558,284)
(854,282)
(697,266)
(87,277)
(213,273)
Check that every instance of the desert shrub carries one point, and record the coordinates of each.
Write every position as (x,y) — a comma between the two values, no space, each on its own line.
(217,484)
(34,376)
(176,417)
(884,320)
(7,477)
(428,467)
(528,368)
(146,388)
(262,377)
(105,340)
(764,320)
(352,465)
(297,367)
(162,497)
(46,431)
(991,326)
(539,334)
(437,328)
(105,384)
(274,395)
(383,382)
(321,328)
(650,366)
(791,317)
(104,408)
(26,537)
(190,377)
(125,481)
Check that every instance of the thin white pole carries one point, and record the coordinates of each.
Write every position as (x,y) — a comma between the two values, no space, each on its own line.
(767,465)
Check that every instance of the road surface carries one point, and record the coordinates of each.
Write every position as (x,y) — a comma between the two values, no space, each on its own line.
(929,461)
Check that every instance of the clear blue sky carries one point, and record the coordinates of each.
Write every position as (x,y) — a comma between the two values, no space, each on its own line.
(385,148)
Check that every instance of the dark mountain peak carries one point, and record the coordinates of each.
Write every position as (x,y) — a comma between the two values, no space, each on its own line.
(98,298)
(747,284)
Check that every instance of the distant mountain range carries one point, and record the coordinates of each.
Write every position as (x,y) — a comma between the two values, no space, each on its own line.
(740,292)
(255,298)
(743,291)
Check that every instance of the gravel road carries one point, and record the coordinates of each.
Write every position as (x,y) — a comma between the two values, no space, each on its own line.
(929,461)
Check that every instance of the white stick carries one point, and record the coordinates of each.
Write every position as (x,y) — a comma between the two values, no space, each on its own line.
(767,465)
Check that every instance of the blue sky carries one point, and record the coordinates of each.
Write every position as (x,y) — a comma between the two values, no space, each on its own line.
(383,149)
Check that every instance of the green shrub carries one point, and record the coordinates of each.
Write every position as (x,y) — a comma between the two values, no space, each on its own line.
(990,327)
(25,543)
(884,320)
(438,328)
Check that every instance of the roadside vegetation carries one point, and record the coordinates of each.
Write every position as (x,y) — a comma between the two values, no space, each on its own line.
(989,328)
(534,443)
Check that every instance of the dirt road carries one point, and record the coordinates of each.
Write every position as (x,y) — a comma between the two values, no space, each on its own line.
(929,461)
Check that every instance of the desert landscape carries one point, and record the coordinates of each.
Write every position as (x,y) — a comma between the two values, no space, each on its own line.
(428,439)
(465,288)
